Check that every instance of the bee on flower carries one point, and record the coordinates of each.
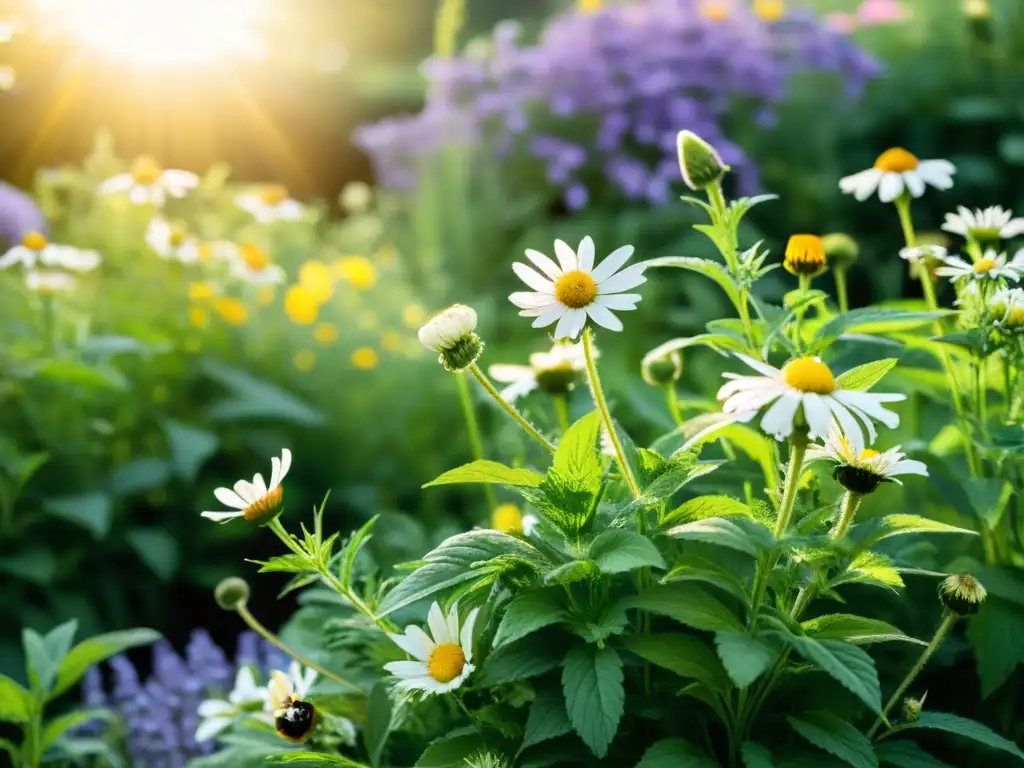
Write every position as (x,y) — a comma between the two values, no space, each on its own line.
(442,658)
(251,264)
(270,202)
(863,471)
(172,241)
(257,502)
(554,372)
(992,266)
(986,227)
(148,183)
(895,172)
(294,718)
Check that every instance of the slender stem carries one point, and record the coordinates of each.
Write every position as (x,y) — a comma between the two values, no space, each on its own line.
(797,448)
(981,384)
(475,442)
(940,634)
(847,512)
(803,597)
(839,273)
(748,327)
(271,638)
(672,401)
(562,411)
(606,414)
(509,408)
(798,325)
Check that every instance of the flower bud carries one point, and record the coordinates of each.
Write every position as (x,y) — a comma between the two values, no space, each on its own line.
(805,256)
(231,593)
(912,708)
(452,335)
(660,370)
(699,163)
(841,250)
(962,594)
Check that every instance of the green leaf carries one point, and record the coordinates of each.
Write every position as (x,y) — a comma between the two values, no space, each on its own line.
(31,564)
(704,507)
(756,756)
(65,370)
(578,460)
(139,475)
(451,751)
(96,649)
(78,748)
(720,342)
(837,737)
(880,528)
(745,657)
(997,634)
(16,704)
(316,759)
(91,511)
(744,536)
(59,726)
(685,655)
(906,754)
(869,568)
(531,656)
(846,663)
(688,604)
(594,696)
(711,269)
(988,497)
(695,568)
(871,320)
(191,447)
(864,377)
(855,629)
(547,718)
(377,724)
(675,753)
(486,471)
(527,613)
(157,548)
(58,640)
(459,559)
(618,551)
(41,668)
(346,558)
(252,399)
(969,729)
(577,570)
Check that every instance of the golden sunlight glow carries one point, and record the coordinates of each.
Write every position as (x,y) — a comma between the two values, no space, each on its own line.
(160,32)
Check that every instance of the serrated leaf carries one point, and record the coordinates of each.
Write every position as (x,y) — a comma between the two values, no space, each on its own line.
(745,657)
(704,507)
(91,511)
(864,377)
(997,635)
(594,696)
(688,604)
(968,729)
(710,269)
(695,568)
(528,613)
(837,737)
(880,528)
(96,649)
(868,320)
(906,754)
(487,471)
(377,724)
(577,570)
(869,568)
(531,656)
(755,756)
(855,629)
(619,551)
(675,753)
(685,655)
(847,664)
(578,461)
(16,704)
(749,539)
(547,718)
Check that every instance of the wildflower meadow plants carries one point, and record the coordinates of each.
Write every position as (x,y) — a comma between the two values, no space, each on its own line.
(634,621)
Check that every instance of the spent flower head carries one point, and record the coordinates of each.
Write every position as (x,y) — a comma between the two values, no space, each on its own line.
(661,368)
(962,594)
(897,172)
(554,372)
(987,226)
(863,471)
(452,334)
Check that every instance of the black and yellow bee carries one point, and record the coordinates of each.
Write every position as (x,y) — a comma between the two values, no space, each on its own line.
(296,721)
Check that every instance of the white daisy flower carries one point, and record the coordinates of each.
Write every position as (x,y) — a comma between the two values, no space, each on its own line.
(805,391)
(219,714)
(252,264)
(147,182)
(442,658)
(555,372)
(897,170)
(573,290)
(283,689)
(270,202)
(172,242)
(257,502)
(36,250)
(49,282)
(986,226)
(1008,307)
(862,471)
(992,266)
(919,253)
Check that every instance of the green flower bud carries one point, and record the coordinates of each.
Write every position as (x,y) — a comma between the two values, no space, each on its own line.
(841,250)
(912,708)
(660,370)
(452,334)
(231,593)
(699,163)
(962,594)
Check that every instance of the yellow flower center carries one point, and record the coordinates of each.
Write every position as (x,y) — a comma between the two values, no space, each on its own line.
(254,257)
(263,508)
(177,236)
(575,289)
(769,10)
(589,6)
(273,194)
(200,292)
(896,160)
(1015,317)
(146,170)
(446,662)
(507,518)
(300,305)
(809,374)
(868,453)
(981,266)
(34,241)
(231,310)
(364,358)
(805,255)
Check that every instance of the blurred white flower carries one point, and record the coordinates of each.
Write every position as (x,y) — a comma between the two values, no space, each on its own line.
(270,202)
(35,250)
(553,371)
(50,282)
(251,264)
(442,658)
(988,225)
(896,170)
(218,714)
(862,471)
(172,242)
(356,197)
(257,501)
(147,182)
(918,252)
(992,266)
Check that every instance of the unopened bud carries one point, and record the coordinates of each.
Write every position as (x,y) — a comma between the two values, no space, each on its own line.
(912,708)
(452,335)
(662,369)
(699,162)
(962,594)
(805,256)
(231,593)
(841,250)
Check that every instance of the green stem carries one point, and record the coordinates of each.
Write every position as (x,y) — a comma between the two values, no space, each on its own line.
(509,408)
(847,512)
(49,324)
(672,401)
(748,327)
(839,273)
(475,442)
(940,634)
(606,414)
(797,449)
(448,22)
(562,411)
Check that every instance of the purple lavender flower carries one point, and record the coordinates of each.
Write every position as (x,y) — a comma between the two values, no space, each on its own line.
(19,215)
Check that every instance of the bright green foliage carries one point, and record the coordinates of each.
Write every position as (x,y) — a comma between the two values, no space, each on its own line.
(594,697)
(826,731)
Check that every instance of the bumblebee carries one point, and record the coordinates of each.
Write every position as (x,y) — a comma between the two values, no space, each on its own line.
(296,721)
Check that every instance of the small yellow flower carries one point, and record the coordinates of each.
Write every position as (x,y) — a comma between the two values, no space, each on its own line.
(255,258)
(305,360)
(414,315)
(365,358)
(357,270)
(273,194)
(769,10)
(589,6)
(231,310)
(266,296)
(326,333)
(391,341)
(198,317)
(200,292)
(714,10)
(805,256)
(507,518)
(316,277)
(146,170)
(301,305)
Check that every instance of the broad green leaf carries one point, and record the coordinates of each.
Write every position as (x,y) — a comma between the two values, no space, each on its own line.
(252,399)
(191,447)
(65,370)
(594,696)
(547,718)
(711,269)
(880,528)
(96,649)
(906,754)
(871,320)
(695,568)
(969,729)
(688,604)
(41,668)
(16,704)
(377,724)
(704,507)
(855,629)
(846,663)
(525,658)
(59,726)
(315,759)
(486,471)
(578,460)
(157,548)
(31,564)
(997,634)
(864,377)
(139,475)
(577,570)
(618,551)
(837,737)
(745,657)
(76,749)
(988,497)
(755,756)
(91,511)
(869,568)
(527,613)
(451,751)
(461,558)
(744,535)
(59,639)
(685,655)
(675,753)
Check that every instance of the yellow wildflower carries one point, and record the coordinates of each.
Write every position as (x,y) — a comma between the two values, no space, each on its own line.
(326,333)
(301,305)
(316,277)
(200,292)
(357,270)
(365,358)
(198,317)
(231,310)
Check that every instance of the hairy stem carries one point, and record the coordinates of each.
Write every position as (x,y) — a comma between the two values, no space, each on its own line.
(847,512)
(509,408)
(473,427)
(840,278)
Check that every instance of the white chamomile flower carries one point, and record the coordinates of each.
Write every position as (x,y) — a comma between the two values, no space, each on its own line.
(49,282)
(284,689)
(985,226)
(252,264)
(270,202)
(257,502)
(218,714)
(919,253)
(573,290)
(896,170)
(171,241)
(805,391)
(862,471)
(35,250)
(992,266)
(442,658)
(147,182)
(1007,306)
(554,372)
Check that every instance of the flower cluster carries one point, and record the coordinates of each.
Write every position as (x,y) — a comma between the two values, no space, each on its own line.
(635,72)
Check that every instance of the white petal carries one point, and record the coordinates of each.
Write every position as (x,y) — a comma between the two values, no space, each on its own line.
(214,707)
(817,414)
(585,253)
(530,299)
(870,404)
(778,420)
(245,492)
(208,729)
(861,185)
(914,183)
(1013,228)
(620,301)
(938,173)
(221,517)
(890,187)
(258,486)
(507,374)
(566,256)
(612,263)
(438,626)
(286,462)
(120,183)
(415,642)
(544,264)
(180,178)
(518,389)
(407,669)
(762,368)
(851,429)
(604,317)
(628,278)
(275,472)
(570,324)
(533,278)
(453,622)
(229,498)
(555,312)
(466,637)
(908,467)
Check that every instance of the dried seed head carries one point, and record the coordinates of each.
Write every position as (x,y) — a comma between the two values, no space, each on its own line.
(962,594)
